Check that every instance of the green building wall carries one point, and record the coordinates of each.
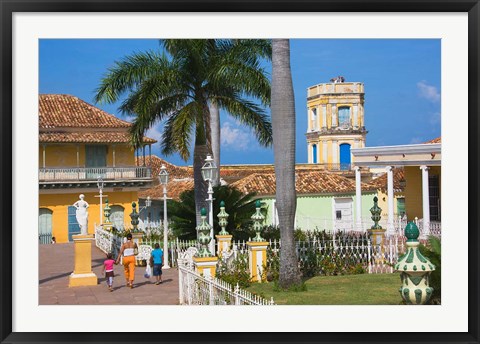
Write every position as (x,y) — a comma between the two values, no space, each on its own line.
(316,212)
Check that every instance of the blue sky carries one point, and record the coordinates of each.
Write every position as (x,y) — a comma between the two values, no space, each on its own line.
(402,86)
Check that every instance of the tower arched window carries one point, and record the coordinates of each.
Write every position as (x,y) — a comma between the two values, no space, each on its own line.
(314,154)
(344,116)
(314,119)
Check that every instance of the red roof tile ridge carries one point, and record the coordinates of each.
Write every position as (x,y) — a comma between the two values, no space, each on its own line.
(50,118)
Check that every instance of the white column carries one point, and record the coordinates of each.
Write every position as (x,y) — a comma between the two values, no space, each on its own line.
(358,197)
(317,118)
(324,116)
(390,228)
(78,156)
(113,158)
(425,201)
(334,152)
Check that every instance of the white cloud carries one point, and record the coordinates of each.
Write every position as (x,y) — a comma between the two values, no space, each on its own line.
(428,92)
(234,137)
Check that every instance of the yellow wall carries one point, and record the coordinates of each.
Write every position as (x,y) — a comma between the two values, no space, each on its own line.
(58,204)
(60,156)
(66,155)
(383,202)
(413,190)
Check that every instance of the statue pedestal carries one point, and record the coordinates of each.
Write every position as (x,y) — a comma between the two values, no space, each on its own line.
(82,274)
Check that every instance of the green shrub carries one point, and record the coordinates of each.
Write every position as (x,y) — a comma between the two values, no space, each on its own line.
(272,269)
(309,265)
(237,273)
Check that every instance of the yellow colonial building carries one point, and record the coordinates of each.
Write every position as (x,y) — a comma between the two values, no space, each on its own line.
(335,123)
(80,147)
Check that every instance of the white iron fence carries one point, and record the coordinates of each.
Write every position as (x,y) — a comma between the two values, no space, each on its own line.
(347,248)
(195,289)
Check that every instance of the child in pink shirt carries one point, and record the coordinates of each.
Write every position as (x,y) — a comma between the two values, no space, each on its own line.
(108,269)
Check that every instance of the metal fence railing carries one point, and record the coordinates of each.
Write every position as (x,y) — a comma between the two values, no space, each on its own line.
(195,289)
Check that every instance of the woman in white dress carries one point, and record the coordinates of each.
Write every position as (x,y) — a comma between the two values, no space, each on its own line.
(82,213)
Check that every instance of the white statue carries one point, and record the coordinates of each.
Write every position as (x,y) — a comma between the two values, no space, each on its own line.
(82,214)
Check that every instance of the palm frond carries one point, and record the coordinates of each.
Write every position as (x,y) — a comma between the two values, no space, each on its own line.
(177,132)
(126,74)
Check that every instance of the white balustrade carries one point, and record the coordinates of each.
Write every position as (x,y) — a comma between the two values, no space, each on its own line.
(92,173)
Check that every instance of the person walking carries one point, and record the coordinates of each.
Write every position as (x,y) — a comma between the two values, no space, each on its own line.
(128,250)
(108,269)
(156,260)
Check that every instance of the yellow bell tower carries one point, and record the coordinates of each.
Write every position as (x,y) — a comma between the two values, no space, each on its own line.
(335,123)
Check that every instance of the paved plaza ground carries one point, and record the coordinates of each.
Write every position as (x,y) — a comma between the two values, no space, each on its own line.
(56,263)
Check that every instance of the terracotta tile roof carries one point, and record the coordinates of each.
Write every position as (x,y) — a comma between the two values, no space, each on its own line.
(232,173)
(380,183)
(67,119)
(174,189)
(63,111)
(87,137)
(437,140)
(174,171)
(307,182)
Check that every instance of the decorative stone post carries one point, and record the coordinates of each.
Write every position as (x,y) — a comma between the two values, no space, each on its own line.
(82,274)
(134,216)
(257,248)
(107,225)
(223,238)
(415,270)
(204,261)
(377,233)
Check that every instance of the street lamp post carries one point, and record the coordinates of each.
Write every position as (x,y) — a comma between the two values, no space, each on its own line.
(209,174)
(100,184)
(148,203)
(163,178)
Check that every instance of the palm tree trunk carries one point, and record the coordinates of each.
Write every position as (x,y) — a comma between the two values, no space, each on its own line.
(283,128)
(200,152)
(215,132)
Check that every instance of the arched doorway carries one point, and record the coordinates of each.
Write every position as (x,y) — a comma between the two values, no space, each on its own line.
(117,216)
(45,226)
(345,158)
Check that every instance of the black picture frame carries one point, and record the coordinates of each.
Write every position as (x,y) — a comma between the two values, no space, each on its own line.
(9,7)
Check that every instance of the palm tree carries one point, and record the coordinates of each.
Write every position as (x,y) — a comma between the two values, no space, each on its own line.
(177,88)
(283,125)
